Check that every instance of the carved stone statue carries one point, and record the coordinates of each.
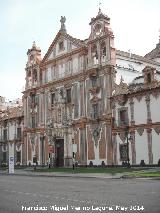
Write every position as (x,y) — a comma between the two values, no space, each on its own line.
(63,20)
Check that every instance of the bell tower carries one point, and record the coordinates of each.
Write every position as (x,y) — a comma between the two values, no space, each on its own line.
(101,41)
(100,83)
(32,66)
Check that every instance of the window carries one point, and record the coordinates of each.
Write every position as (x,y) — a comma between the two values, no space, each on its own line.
(149,78)
(19,133)
(68,95)
(95,111)
(18,157)
(61,46)
(4,157)
(53,98)
(33,124)
(123,117)
(94,81)
(5,135)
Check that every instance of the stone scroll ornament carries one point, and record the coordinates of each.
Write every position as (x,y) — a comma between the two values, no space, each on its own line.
(32,141)
(96,135)
(140,131)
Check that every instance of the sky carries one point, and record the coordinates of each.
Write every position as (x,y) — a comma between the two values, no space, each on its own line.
(135,24)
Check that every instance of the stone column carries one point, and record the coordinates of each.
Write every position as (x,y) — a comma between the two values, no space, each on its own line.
(114,142)
(147,99)
(133,147)
(149,138)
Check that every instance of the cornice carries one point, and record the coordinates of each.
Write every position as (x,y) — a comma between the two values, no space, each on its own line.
(135,127)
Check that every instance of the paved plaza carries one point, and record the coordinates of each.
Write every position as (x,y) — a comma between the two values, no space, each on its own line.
(49,194)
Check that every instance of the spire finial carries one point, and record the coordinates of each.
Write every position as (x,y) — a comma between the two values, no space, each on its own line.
(63,20)
(99,4)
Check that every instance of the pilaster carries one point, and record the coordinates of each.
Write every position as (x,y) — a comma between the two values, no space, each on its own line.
(147,99)
(149,138)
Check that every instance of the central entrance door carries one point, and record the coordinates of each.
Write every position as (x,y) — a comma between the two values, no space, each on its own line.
(59,152)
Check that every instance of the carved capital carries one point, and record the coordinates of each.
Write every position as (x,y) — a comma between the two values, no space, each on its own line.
(131,101)
(147,98)
(149,130)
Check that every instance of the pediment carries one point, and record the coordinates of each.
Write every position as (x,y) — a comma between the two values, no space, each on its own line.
(62,44)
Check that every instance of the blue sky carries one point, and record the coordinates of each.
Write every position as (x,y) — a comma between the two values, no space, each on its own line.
(135,24)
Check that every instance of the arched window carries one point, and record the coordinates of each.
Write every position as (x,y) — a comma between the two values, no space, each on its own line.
(94,54)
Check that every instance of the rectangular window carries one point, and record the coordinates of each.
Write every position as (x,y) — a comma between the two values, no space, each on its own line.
(68,95)
(94,81)
(5,135)
(33,122)
(18,157)
(149,78)
(4,157)
(95,111)
(123,117)
(53,98)
(19,133)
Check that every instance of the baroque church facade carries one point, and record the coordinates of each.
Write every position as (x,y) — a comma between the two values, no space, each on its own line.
(87,102)
(67,97)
